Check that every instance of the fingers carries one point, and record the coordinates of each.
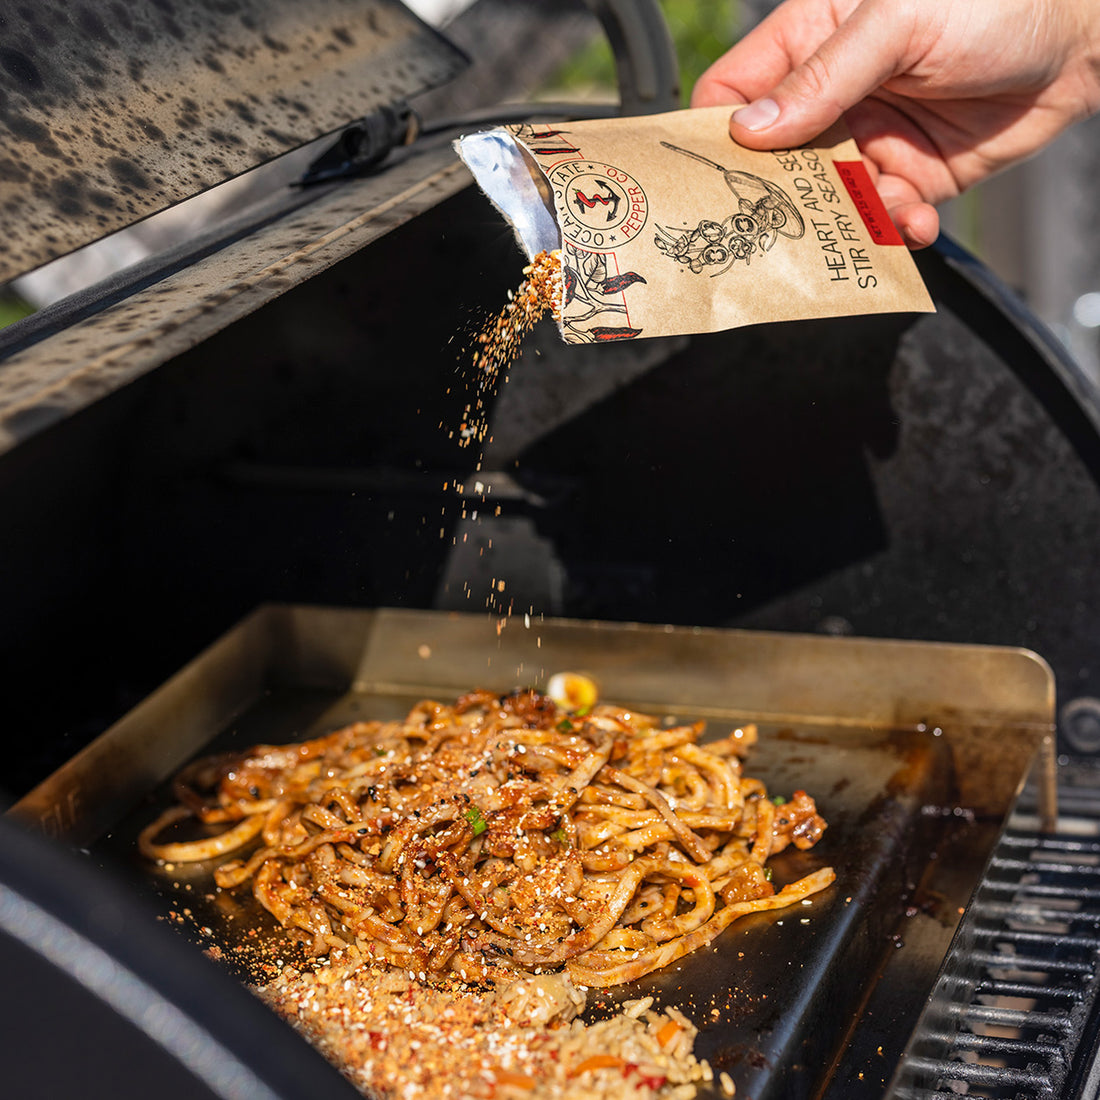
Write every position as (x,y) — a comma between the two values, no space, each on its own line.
(918,223)
(865,51)
(712,90)
(764,56)
(917,220)
(754,66)
(808,63)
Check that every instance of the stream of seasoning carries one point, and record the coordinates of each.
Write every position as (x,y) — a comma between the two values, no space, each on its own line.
(498,345)
(493,349)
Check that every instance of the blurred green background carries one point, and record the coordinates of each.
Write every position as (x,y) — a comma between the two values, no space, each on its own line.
(701,30)
(12,307)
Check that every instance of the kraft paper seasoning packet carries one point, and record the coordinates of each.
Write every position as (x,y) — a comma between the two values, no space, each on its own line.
(668,227)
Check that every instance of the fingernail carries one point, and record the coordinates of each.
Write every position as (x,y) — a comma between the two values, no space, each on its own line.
(757,116)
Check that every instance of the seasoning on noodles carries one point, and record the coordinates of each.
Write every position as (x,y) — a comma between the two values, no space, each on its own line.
(498,837)
(396,1038)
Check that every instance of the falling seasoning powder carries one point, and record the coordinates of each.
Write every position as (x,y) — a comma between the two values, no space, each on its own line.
(498,345)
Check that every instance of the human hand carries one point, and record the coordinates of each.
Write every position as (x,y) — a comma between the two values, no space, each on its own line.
(938,96)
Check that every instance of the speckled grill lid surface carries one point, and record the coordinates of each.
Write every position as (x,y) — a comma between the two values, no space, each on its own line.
(109,113)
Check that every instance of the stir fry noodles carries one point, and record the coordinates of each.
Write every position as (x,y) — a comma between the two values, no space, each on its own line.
(498,836)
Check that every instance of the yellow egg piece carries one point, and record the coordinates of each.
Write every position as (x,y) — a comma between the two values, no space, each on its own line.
(572,690)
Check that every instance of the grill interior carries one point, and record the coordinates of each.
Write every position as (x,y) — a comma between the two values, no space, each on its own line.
(890,479)
(774,1004)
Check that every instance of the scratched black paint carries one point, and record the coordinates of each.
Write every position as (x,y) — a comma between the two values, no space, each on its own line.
(12,171)
(27,129)
(120,15)
(152,130)
(110,112)
(21,68)
(242,111)
(69,195)
(91,25)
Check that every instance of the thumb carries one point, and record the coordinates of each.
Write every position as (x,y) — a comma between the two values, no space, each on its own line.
(859,57)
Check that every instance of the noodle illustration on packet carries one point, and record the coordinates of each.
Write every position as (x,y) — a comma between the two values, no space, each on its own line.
(764,214)
(641,208)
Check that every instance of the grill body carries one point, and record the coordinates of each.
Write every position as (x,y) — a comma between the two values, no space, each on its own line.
(1013,1012)
(291,437)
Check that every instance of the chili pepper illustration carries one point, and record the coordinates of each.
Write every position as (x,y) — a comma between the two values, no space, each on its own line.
(597,297)
(618,283)
(603,333)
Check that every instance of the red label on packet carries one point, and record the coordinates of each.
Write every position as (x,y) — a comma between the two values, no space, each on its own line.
(856,178)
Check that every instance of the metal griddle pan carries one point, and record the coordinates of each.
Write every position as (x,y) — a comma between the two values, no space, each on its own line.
(914,752)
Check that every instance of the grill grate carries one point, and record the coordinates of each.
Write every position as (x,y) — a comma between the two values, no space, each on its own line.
(1014,1011)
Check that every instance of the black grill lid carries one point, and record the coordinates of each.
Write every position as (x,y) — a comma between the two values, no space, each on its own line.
(109,113)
